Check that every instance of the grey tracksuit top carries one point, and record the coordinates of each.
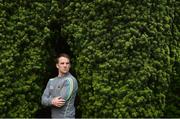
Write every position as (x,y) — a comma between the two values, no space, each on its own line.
(65,87)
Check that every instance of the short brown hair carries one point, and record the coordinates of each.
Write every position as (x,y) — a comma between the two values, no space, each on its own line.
(62,55)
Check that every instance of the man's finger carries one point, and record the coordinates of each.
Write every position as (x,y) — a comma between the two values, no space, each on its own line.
(61,99)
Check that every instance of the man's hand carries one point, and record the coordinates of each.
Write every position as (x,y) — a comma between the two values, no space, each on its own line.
(58,101)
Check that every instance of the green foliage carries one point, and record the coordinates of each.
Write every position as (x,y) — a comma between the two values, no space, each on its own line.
(23,37)
(173,97)
(125,53)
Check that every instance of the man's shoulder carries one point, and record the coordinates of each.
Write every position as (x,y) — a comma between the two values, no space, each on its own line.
(71,76)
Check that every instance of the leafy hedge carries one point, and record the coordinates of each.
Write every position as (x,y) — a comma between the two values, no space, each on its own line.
(125,53)
(173,96)
(24,38)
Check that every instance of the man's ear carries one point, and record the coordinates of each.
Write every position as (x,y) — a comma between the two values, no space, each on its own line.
(57,66)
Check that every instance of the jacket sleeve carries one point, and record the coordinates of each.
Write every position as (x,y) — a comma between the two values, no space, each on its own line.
(67,89)
(46,97)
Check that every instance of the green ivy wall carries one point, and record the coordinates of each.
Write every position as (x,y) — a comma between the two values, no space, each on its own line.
(126,55)
(24,38)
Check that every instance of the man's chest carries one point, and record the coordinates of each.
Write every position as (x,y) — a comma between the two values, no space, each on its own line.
(56,86)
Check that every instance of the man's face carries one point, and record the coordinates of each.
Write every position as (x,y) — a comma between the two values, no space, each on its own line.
(63,65)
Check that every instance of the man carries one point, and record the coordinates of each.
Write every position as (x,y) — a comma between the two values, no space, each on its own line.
(61,91)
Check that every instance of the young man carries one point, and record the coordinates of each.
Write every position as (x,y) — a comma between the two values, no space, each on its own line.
(61,91)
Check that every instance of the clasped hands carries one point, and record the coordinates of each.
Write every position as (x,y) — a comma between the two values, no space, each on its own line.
(58,102)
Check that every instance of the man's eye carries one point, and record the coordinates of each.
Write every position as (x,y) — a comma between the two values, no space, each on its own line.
(64,63)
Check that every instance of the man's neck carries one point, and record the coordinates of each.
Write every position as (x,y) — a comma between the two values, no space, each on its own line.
(62,75)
